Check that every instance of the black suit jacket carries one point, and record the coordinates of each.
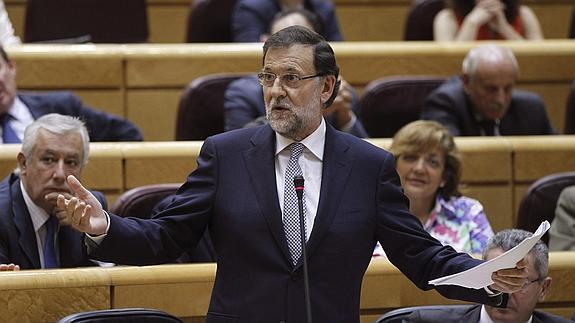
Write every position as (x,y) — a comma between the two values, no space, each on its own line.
(469,314)
(450,106)
(101,126)
(17,236)
(233,193)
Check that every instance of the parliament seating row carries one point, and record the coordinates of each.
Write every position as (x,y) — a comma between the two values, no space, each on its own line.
(366,20)
(496,171)
(144,82)
(184,290)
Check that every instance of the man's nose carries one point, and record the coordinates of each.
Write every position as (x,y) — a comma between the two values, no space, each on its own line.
(500,96)
(60,170)
(277,89)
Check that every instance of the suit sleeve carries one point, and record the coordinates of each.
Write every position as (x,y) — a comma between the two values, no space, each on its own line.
(179,227)
(562,232)
(332,32)
(247,23)
(103,126)
(439,107)
(412,250)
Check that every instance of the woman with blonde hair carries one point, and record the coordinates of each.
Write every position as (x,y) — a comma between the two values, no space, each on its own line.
(429,167)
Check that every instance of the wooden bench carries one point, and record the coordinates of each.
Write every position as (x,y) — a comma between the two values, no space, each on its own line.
(184,290)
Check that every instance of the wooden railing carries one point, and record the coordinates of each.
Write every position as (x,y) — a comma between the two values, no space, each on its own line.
(184,290)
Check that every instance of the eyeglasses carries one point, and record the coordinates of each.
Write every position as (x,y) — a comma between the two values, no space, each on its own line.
(290,80)
(529,282)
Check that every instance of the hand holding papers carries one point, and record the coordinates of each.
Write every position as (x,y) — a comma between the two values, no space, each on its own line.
(480,276)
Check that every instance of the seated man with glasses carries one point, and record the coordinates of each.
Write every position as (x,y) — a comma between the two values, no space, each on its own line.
(521,305)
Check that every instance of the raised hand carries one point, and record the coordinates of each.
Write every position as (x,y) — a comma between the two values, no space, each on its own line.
(511,280)
(82,211)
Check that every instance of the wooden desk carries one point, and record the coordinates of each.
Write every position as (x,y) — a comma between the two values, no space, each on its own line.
(184,290)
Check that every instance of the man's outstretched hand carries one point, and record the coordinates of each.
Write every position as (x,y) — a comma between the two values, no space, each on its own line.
(83,211)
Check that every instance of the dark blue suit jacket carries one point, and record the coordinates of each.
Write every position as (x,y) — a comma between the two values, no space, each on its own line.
(17,236)
(252,18)
(244,103)
(233,193)
(450,106)
(101,126)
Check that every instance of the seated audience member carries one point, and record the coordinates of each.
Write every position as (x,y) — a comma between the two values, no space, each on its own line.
(251,18)
(18,110)
(244,102)
(466,20)
(33,232)
(429,167)
(562,231)
(7,36)
(483,101)
(521,305)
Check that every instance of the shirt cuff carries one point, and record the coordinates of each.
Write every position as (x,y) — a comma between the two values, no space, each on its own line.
(99,238)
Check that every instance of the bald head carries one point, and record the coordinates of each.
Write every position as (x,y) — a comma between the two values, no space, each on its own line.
(489,55)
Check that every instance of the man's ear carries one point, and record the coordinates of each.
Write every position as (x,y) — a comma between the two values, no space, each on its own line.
(328,87)
(21,162)
(544,289)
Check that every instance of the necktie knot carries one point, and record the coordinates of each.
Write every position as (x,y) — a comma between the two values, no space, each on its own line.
(296,150)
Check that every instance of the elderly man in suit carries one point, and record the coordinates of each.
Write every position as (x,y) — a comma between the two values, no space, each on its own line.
(483,101)
(521,305)
(33,232)
(19,109)
(243,192)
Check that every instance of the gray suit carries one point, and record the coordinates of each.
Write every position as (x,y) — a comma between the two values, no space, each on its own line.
(469,314)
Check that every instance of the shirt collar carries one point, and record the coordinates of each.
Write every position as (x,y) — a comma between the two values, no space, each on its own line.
(315,142)
(485,318)
(39,215)
(18,110)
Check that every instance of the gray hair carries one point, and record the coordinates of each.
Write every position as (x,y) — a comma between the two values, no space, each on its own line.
(487,52)
(508,239)
(58,124)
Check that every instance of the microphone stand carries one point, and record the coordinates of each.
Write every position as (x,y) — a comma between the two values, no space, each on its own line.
(298,182)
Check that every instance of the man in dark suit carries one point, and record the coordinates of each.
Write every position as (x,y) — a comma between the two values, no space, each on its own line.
(19,109)
(483,102)
(521,305)
(54,147)
(243,192)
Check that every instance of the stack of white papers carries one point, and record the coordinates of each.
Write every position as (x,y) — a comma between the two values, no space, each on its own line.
(480,276)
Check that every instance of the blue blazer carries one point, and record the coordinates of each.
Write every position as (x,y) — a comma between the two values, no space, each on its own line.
(244,104)
(450,106)
(101,126)
(17,236)
(252,18)
(233,193)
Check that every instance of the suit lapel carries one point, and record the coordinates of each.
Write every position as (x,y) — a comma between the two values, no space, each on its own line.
(24,225)
(337,167)
(262,176)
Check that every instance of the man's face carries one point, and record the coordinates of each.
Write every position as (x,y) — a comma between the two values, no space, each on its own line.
(54,157)
(491,88)
(7,85)
(521,304)
(295,112)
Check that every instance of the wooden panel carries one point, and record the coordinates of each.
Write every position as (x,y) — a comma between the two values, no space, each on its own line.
(168,22)
(177,65)
(497,201)
(554,16)
(154,112)
(110,101)
(485,160)
(555,97)
(162,162)
(537,156)
(518,192)
(370,22)
(65,67)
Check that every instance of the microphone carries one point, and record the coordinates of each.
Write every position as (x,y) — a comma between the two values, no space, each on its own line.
(298,183)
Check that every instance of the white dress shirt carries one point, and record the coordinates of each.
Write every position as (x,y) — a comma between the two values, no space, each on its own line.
(311,163)
(6,31)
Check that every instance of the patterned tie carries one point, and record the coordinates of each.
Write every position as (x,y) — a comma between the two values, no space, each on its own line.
(50,258)
(8,134)
(291,212)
